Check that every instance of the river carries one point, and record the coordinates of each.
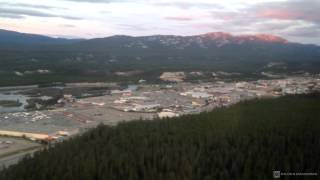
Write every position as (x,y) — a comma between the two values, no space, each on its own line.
(11,95)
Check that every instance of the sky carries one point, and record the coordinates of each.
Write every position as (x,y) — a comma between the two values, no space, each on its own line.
(295,20)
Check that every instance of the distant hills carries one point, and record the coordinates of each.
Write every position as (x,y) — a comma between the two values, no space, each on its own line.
(218,45)
(148,56)
(14,38)
(208,40)
(204,41)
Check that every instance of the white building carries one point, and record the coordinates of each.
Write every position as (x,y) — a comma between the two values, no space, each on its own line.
(167,115)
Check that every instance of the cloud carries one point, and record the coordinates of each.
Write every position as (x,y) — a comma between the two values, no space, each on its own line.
(187,5)
(307,32)
(26,5)
(139,27)
(21,13)
(98,1)
(275,25)
(305,10)
(67,25)
(178,18)
(290,18)
(296,19)
(10,16)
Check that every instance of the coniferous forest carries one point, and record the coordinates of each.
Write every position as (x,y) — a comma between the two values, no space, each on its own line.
(246,141)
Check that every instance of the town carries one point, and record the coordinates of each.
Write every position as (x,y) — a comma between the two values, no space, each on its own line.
(72,115)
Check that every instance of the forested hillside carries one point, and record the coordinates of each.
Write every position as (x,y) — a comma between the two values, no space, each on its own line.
(147,57)
(246,141)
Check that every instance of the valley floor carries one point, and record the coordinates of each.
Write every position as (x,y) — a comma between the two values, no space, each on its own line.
(72,115)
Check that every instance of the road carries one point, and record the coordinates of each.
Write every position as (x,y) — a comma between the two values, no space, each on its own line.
(15,157)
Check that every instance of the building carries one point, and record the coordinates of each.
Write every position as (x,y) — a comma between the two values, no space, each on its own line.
(167,115)
(31,136)
(146,108)
(193,94)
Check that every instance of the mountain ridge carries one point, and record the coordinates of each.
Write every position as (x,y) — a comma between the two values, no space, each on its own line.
(100,58)
(20,38)
(211,36)
(9,37)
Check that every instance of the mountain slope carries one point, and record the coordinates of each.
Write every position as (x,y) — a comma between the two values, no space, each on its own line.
(217,45)
(204,41)
(14,38)
(100,59)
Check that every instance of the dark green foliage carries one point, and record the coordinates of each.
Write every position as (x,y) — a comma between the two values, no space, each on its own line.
(246,141)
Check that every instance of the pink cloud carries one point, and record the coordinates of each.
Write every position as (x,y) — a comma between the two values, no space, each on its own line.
(306,10)
(280,14)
